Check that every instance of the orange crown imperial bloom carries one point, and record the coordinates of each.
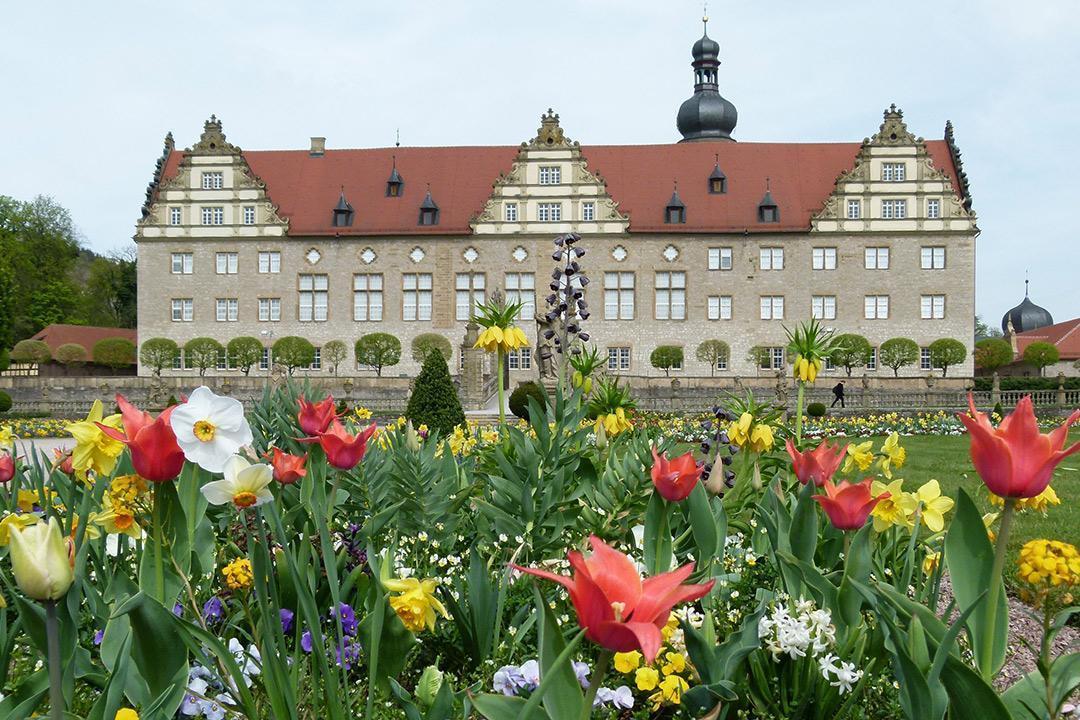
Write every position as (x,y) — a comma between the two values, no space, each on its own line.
(315,418)
(287,468)
(675,479)
(817,465)
(617,609)
(155,454)
(342,449)
(848,505)
(1016,460)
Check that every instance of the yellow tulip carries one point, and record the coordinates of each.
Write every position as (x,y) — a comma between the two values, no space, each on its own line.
(40,561)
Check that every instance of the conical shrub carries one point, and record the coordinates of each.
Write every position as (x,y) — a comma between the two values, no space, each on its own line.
(434,401)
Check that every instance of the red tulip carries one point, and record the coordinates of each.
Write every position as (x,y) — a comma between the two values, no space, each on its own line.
(315,418)
(817,465)
(7,467)
(618,610)
(287,468)
(63,457)
(848,505)
(155,454)
(1016,460)
(343,450)
(675,479)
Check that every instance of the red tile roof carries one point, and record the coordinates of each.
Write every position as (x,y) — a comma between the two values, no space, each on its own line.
(85,335)
(639,178)
(1065,336)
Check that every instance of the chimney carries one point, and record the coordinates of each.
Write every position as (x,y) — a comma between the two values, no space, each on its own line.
(318,146)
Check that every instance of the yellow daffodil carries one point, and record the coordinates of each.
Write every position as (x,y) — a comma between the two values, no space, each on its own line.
(1040,502)
(893,455)
(238,574)
(646,678)
(244,485)
(627,662)
(861,455)
(7,438)
(896,509)
(92,532)
(117,518)
(807,370)
(363,413)
(988,521)
(415,602)
(27,500)
(94,450)
(930,562)
(933,505)
(14,521)
(1049,562)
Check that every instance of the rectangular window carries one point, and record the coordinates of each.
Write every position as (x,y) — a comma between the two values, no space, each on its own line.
(618,296)
(854,209)
(223,360)
(178,360)
(893,172)
(264,361)
(182,309)
(182,263)
(269,309)
(521,288)
(227,263)
(771,258)
(470,293)
(722,362)
(893,209)
(213,216)
(212,181)
(932,258)
(720,258)
(824,258)
(719,307)
(227,310)
(871,363)
(588,211)
(670,296)
(416,296)
(772,307)
(314,298)
(932,307)
(549,212)
(618,358)
(270,261)
(316,361)
(877,258)
(772,358)
(249,214)
(520,359)
(933,208)
(368,298)
(550,175)
(924,359)
(510,212)
(876,307)
(823,307)
(176,216)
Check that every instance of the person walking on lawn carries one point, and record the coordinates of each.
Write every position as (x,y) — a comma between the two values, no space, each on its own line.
(838,394)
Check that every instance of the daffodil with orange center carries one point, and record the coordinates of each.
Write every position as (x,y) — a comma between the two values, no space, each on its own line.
(244,485)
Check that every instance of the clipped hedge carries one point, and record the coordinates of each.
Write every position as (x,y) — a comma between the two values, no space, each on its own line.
(519,399)
(1027,383)
(5,402)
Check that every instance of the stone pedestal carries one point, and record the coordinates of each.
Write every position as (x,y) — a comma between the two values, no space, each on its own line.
(472,372)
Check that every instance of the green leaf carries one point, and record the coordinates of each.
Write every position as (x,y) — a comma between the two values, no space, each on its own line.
(501,707)
(563,697)
(657,536)
(804,525)
(970,697)
(160,660)
(1028,695)
(23,702)
(703,522)
(856,569)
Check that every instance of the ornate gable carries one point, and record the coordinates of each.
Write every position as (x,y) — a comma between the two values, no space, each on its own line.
(549,177)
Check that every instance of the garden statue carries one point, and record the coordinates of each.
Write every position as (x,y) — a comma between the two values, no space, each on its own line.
(543,355)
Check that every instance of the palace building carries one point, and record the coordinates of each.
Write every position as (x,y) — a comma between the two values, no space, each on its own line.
(704,238)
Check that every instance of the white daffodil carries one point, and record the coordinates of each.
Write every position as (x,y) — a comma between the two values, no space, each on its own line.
(245,485)
(210,428)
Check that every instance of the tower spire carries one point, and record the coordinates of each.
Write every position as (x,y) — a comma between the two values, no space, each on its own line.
(707,115)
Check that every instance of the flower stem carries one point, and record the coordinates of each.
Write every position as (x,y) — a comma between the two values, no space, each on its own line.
(56,680)
(799,411)
(596,681)
(499,388)
(159,549)
(987,650)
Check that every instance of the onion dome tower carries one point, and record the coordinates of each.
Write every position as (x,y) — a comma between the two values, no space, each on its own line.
(707,115)
(1025,316)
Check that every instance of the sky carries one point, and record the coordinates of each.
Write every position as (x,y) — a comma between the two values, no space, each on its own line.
(91,89)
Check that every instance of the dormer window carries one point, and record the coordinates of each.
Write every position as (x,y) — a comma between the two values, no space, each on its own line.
(717,181)
(429,211)
(343,212)
(893,172)
(675,211)
(767,209)
(550,175)
(395,185)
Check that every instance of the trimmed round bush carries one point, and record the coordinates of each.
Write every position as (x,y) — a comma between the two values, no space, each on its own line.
(71,354)
(816,409)
(425,343)
(293,351)
(5,402)
(5,360)
(377,351)
(244,352)
(158,354)
(31,351)
(519,399)
(434,401)
(203,353)
(116,353)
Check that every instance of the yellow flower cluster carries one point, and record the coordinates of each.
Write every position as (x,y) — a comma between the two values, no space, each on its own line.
(121,504)
(807,370)
(1049,562)
(362,413)
(613,423)
(900,508)
(1040,502)
(862,455)
(664,677)
(746,432)
(238,574)
(415,603)
(505,339)
(94,450)
(7,437)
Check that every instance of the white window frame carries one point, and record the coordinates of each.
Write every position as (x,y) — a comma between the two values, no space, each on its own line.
(550,175)
(510,212)
(823,307)
(264,360)
(619,295)
(670,291)
(367,297)
(772,307)
(774,358)
(521,288)
(932,307)
(183,309)
(876,307)
(854,209)
(416,297)
(519,359)
(771,258)
(893,172)
(894,209)
(719,307)
(932,257)
(314,297)
(227,310)
(213,180)
(227,263)
(316,360)
(925,362)
(470,290)
(182,263)
(549,212)
(249,214)
(269,261)
(618,359)
(720,258)
(588,211)
(176,216)
(269,309)
(823,258)
(933,208)
(876,258)
(872,361)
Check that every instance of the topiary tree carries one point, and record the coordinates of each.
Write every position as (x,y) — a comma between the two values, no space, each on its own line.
(896,353)
(334,353)
(70,354)
(203,353)
(158,354)
(5,359)
(759,356)
(31,351)
(712,352)
(116,353)
(5,402)
(519,399)
(434,401)
(666,357)
(992,353)
(946,352)
(425,343)
(293,351)
(1041,355)
(379,350)
(244,352)
(851,351)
